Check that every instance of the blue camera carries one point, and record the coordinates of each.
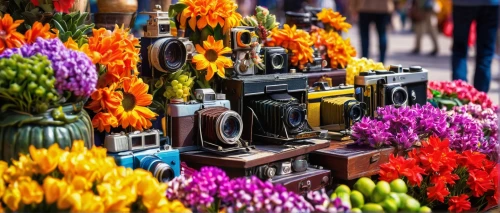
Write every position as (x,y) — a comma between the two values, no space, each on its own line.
(142,150)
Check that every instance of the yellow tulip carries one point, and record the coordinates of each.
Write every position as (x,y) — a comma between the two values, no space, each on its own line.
(78,183)
(78,147)
(47,160)
(3,167)
(12,197)
(64,163)
(30,190)
(53,189)
(70,199)
(92,203)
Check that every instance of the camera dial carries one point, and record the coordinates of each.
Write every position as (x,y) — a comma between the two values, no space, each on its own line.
(399,96)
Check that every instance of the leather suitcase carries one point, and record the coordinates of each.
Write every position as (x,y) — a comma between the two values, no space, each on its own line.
(348,161)
(338,77)
(303,182)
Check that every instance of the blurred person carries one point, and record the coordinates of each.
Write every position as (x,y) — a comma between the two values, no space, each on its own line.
(485,13)
(401,9)
(366,12)
(424,16)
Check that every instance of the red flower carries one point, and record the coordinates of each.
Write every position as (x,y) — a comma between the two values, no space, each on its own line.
(63,5)
(390,171)
(445,176)
(413,172)
(398,166)
(472,160)
(479,182)
(437,192)
(459,203)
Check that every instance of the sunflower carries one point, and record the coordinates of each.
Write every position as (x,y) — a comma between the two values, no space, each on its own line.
(38,30)
(333,19)
(9,37)
(133,111)
(299,42)
(210,57)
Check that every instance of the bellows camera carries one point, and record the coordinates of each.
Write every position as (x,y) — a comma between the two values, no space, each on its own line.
(397,87)
(161,51)
(277,102)
(142,150)
(208,121)
(333,108)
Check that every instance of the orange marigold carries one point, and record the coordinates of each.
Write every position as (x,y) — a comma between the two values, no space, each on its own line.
(38,30)
(105,99)
(339,50)
(9,37)
(298,42)
(202,13)
(333,19)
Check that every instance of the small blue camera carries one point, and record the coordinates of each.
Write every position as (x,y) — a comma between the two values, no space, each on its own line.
(142,150)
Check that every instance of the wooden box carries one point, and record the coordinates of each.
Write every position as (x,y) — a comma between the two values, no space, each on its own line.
(348,161)
(303,182)
(338,77)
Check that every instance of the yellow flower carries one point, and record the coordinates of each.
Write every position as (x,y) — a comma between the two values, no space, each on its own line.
(53,189)
(71,44)
(116,199)
(30,190)
(334,19)
(46,160)
(78,147)
(78,183)
(12,197)
(70,199)
(24,166)
(64,162)
(211,57)
(92,203)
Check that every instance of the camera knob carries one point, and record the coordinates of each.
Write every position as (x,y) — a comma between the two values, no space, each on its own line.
(413,95)
(270,172)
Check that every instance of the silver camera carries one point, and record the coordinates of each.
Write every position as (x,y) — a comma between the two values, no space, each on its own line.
(243,64)
(283,168)
(119,142)
(242,37)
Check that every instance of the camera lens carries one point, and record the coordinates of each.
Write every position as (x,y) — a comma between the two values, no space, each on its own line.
(161,170)
(295,116)
(229,127)
(168,54)
(277,61)
(356,113)
(244,38)
(399,96)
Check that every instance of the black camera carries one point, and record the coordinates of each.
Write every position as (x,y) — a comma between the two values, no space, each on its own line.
(161,51)
(277,103)
(275,60)
(271,170)
(301,20)
(397,87)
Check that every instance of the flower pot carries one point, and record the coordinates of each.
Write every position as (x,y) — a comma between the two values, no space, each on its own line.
(61,125)
(117,6)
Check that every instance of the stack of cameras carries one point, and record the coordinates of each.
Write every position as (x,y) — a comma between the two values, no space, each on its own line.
(275,59)
(143,150)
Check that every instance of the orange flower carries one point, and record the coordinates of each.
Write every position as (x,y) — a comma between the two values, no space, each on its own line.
(133,110)
(333,19)
(38,30)
(202,13)
(459,203)
(9,37)
(71,44)
(211,57)
(104,121)
(105,99)
(339,50)
(299,42)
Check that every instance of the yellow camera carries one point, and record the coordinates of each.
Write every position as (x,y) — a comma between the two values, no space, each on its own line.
(333,108)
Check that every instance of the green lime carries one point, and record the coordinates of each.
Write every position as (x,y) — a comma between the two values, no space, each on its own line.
(333,196)
(425,209)
(381,191)
(403,197)
(357,199)
(356,210)
(399,186)
(389,205)
(372,207)
(411,205)
(365,185)
(394,196)
(343,188)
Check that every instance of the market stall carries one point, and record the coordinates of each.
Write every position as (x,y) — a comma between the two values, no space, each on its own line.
(210,111)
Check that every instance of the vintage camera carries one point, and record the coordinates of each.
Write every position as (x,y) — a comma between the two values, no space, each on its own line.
(207,123)
(271,170)
(397,87)
(275,60)
(243,64)
(314,18)
(277,103)
(318,65)
(242,37)
(301,20)
(142,150)
(333,108)
(161,51)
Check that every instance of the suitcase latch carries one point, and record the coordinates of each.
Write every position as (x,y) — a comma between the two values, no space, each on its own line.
(375,158)
(305,185)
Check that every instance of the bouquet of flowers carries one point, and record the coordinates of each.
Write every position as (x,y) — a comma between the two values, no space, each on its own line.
(441,176)
(54,180)
(358,65)
(449,94)
(297,42)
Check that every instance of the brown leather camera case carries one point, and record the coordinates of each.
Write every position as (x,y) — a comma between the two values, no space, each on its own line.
(184,126)
(303,182)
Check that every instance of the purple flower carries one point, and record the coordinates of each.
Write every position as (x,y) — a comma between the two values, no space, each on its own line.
(255,195)
(464,133)
(431,120)
(322,203)
(74,71)
(371,132)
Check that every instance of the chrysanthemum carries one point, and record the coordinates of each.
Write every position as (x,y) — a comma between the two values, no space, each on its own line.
(339,50)
(333,19)
(38,30)
(104,121)
(211,57)
(299,42)
(9,37)
(202,13)
(133,109)
(105,99)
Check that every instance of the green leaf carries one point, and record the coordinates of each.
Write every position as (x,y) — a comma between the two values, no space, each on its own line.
(176,8)
(218,32)
(67,35)
(58,16)
(77,35)
(59,27)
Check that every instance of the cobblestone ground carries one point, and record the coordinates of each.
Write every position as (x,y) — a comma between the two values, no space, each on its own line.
(400,45)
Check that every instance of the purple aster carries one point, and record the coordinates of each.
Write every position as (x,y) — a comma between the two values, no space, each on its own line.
(371,132)
(431,120)
(74,71)
(322,202)
(464,133)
